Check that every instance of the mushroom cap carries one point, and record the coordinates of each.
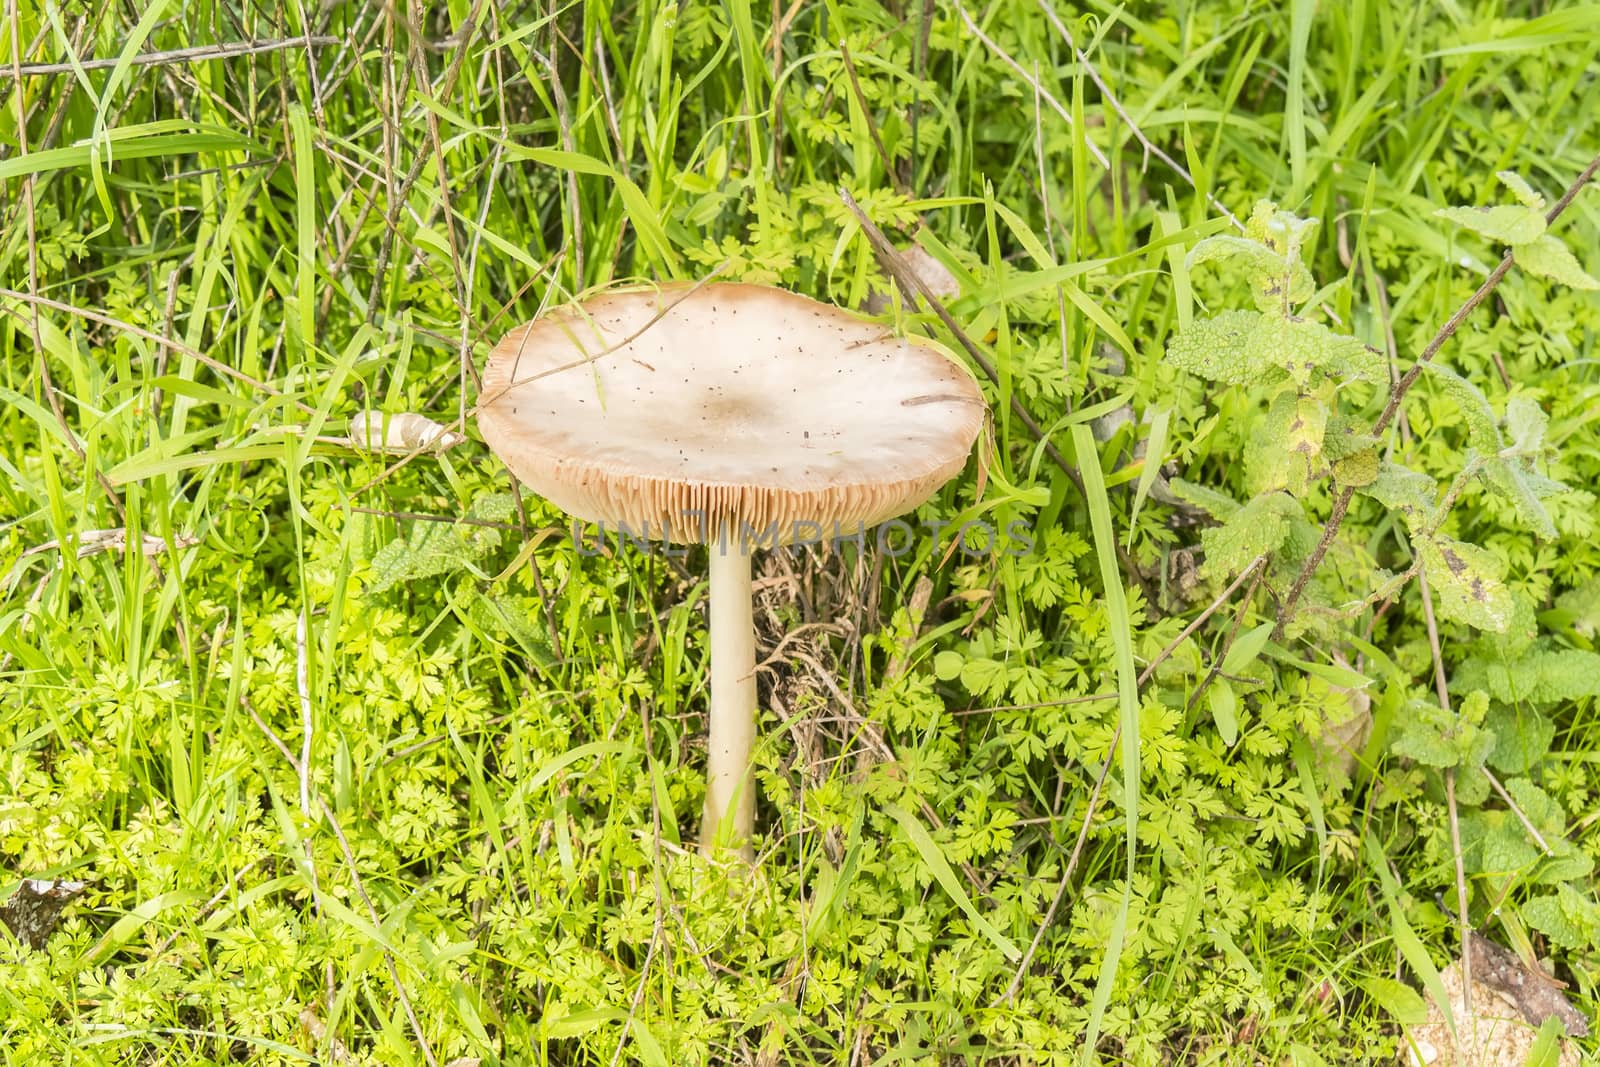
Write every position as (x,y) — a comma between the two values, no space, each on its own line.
(683,411)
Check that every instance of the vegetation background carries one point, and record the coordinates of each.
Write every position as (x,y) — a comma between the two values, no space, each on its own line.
(354,778)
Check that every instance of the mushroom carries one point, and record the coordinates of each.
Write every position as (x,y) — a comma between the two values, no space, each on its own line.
(732,415)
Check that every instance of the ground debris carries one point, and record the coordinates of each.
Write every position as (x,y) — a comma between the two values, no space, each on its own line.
(1507,1012)
(33,910)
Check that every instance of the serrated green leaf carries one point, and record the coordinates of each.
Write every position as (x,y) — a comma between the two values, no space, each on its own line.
(435,548)
(1467,580)
(1256,258)
(1569,918)
(1240,347)
(1495,843)
(1220,349)
(1548,257)
(1510,479)
(1540,677)
(1525,193)
(1358,470)
(1525,423)
(1309,348)
(1483,429)
(1521,738)
(1259,528)
(1345,437)
(1285,447)
(1506,224)
(500,615)
(1217,505)
(1402,489)
(1282,231)
(1439,738)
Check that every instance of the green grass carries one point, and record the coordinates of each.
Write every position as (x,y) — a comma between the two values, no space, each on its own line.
(350,781)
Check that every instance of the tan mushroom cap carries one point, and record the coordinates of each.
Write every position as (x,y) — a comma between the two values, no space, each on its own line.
(680,410)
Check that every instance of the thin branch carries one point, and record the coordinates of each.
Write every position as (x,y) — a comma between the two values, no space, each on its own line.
(196,54)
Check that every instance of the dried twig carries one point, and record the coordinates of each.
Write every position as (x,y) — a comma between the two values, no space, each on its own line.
(196,54)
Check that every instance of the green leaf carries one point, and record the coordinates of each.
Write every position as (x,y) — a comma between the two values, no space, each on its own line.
(1569,918)
(1483,429)
(1521,738)
(1540,677)
(1402,489)
(1468,582)
(1525,193)
(1548,257)
(1285,447)
(1222,349)
(947,666)
(1525,423)
(1506,224)
(1510,479)
(1248,348)
(435,548)
(1404,1004)
(1495,843)
(1282,231)
(1225,711)
(1217,505)
(1439,738)
(1256,258)
(1547,1044)
(1359,469)
(1246,649)
(1345,437)
(1259,528)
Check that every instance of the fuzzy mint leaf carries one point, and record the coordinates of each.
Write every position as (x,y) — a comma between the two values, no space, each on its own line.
(1240,347)
(1402,489)
(1282,231)
(1223,349)
(1429,734)
(1346,437)
(1538,677)
(1483,429)
(1568,917)
(1275,280)
(1285,447)
(1468,582)
(1358,469)
(1511,479)
(1259,528)
(435,548)
(1218,505)
(1525,193)
(1522,737)
(1495,842)
(1526,423)
(1506,224)
(1548,257)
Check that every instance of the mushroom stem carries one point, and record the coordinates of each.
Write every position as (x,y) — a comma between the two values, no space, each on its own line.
(730,801)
